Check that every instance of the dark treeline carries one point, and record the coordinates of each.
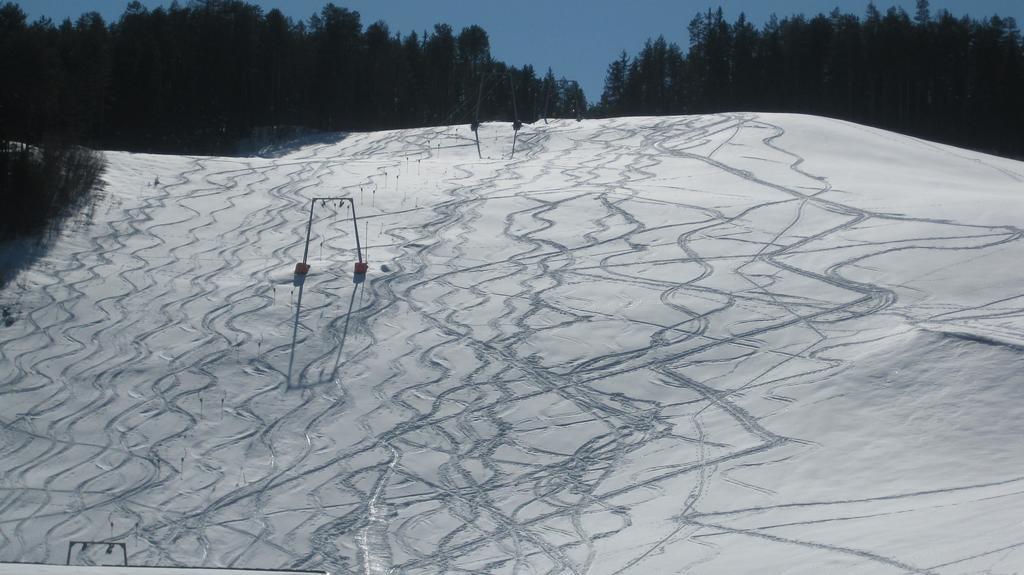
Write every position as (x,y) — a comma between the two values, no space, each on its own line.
(956,80)
(41,186)
(201,76)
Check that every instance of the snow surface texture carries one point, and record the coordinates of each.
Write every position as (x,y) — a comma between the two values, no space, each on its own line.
(710,344)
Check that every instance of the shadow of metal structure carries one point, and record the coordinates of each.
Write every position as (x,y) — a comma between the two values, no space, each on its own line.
(344,328)
(358,281)
(300,281)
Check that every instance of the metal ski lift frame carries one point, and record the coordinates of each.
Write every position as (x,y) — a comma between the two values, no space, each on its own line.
(361,267)
(110,547)
(516,124)
(576,101)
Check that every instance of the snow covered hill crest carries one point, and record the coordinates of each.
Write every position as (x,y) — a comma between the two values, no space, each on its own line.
(713,344)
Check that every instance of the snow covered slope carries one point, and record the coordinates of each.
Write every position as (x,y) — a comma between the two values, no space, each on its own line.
(710,344)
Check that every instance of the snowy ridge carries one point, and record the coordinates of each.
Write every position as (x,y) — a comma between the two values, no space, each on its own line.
(697,344)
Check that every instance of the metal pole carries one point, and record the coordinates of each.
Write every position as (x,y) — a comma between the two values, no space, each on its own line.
(547,95)
(355,225)
(516,124)
(476,118)
(309,228)
(576,95)
(479,96)
(515,110)
(295,333)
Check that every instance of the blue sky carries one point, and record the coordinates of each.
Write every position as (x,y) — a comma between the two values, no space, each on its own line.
(578,38)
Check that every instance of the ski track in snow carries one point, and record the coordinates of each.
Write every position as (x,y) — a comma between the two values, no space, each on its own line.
(166,384)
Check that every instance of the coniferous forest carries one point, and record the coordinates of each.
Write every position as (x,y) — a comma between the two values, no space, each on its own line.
(198,77)
(202,76)
(938,76)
